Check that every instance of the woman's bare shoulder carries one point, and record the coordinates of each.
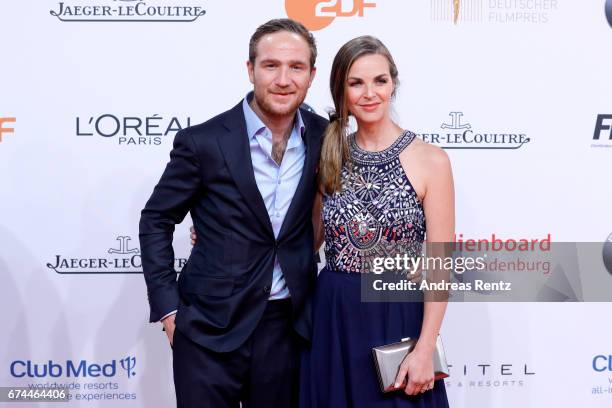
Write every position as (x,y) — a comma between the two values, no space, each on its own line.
(428,155)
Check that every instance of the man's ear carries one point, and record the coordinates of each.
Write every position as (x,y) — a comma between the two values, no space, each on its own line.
(313,72)
(250,70)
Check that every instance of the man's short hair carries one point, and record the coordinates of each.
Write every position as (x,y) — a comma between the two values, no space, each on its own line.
(282,24)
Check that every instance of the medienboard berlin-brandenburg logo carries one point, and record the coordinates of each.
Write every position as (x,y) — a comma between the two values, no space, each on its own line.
(318,14)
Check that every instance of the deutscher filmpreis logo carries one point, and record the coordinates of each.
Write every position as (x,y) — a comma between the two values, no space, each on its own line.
(457,133)
(127,11)
(494,11)
(131,130)
(120,258)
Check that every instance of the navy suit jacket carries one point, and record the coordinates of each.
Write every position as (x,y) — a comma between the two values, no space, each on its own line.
(223,289)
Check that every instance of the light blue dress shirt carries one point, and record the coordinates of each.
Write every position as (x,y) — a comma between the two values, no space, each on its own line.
(276,183)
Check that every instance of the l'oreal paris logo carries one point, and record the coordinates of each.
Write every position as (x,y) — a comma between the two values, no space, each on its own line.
(131,130)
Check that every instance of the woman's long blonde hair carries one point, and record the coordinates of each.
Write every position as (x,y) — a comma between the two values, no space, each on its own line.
(335,149)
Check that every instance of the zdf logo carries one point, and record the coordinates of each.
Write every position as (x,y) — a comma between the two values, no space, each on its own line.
(5,129)
(318,14)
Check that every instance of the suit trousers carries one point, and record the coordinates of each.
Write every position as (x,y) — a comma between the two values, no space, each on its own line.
(262,373)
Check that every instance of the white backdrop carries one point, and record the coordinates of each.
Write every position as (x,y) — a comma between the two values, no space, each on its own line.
(97,103)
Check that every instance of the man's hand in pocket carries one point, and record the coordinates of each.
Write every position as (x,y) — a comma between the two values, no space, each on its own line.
(169,327)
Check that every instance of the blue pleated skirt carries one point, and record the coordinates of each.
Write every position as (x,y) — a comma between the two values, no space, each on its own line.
(338,370)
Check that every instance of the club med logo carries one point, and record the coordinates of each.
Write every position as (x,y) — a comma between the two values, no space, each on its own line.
(493,11)
(609,11)
(131,130)
(128,365)
(602,363)
(120,259)
(6,129)
(603,131)
(318,14)
(459,134)
(72,368)
(127,11)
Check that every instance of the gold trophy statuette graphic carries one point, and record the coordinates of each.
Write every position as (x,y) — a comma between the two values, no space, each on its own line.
(456,4)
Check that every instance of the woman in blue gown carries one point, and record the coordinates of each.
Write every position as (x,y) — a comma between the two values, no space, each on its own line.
(377,188)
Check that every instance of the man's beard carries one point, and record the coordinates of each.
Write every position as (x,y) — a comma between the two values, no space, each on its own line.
(273,109)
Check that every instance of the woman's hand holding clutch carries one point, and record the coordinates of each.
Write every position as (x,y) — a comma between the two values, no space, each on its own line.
(416,373)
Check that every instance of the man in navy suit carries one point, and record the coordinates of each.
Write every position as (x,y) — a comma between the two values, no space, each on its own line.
(237,315)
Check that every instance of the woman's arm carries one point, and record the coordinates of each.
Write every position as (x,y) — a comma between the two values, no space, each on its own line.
(317,221)
(439,205)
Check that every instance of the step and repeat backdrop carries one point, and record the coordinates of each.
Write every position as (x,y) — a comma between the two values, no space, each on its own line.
(93,92)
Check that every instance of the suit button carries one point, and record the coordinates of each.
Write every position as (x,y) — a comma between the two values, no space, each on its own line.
(266,289)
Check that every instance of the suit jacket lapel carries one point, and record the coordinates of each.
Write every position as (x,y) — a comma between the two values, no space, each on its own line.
(305,180)
(235,148)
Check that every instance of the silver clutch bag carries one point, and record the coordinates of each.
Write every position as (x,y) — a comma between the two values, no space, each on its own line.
(388,358)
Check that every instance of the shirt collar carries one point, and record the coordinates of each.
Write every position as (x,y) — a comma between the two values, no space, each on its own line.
(255,125)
